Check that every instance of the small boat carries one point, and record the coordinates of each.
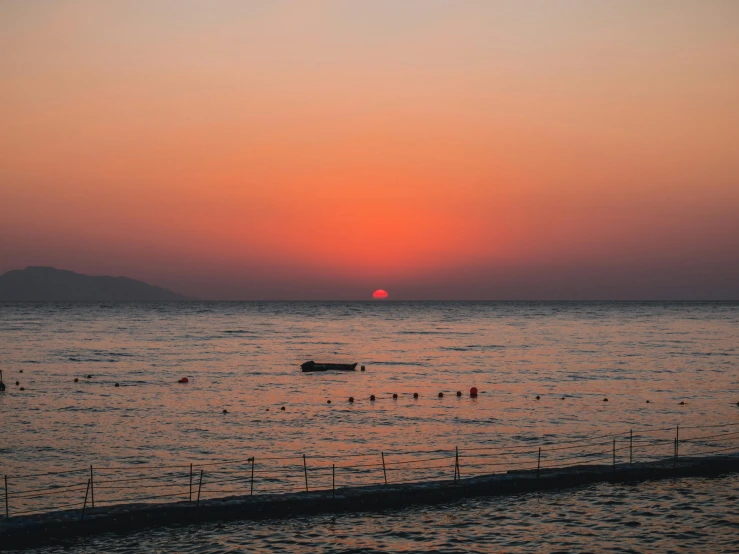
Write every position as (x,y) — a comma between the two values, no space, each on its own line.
(311,366)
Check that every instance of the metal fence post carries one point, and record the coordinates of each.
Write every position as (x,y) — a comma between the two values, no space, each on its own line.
(677,443)
(7,510)
(538,464)
(92,489)
(675,447)
(333,481)
(190,482)
(305,471)
(457,475)
(455,470)
(84,505)
(631,446)
(384,471)
(251,489)
(200,486)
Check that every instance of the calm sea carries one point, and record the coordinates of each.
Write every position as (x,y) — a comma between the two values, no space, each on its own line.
(244,358)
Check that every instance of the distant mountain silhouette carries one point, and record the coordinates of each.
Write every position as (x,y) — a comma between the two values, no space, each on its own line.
(39,284)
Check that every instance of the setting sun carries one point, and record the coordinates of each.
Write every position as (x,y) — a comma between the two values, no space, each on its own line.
(379,294)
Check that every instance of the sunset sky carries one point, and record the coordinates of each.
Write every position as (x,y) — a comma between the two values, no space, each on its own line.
(322,150)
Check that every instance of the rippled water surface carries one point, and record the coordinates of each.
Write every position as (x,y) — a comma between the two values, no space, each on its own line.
(244,358)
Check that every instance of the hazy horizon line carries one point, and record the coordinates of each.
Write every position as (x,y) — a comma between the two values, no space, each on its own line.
(386,301)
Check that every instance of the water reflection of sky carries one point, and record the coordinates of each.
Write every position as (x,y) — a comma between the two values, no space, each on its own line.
(245,357)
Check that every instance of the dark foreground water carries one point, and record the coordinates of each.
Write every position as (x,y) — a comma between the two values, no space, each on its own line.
(243,357)
(687,515)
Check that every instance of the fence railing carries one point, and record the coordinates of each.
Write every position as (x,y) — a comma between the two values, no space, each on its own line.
(83,489)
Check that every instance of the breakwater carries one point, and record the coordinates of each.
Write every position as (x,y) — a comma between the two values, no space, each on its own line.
(263,487)
(39,529)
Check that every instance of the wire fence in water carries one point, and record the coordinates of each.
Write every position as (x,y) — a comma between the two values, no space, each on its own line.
(91,487)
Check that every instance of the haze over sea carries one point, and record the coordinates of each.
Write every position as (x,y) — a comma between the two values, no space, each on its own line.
(244,357)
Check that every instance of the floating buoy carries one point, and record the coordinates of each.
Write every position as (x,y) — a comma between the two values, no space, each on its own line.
(362,368)
(225,411)
(22,388)
(117,385)
(328,401)
(473,392)
(441,395)
(538,397)
(395,396)
(682,403)
(459,393)
(648,402)
(282,408)
(605,400)
(184,380)
(372,397)
(76,380)
(563,398)
(415,395)
(89,376)
(20,371)
(351,399)
(2,385)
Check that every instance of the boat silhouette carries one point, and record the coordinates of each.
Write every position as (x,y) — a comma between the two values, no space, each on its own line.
(311,366)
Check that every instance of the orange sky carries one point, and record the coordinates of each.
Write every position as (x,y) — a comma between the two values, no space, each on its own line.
(436,149)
